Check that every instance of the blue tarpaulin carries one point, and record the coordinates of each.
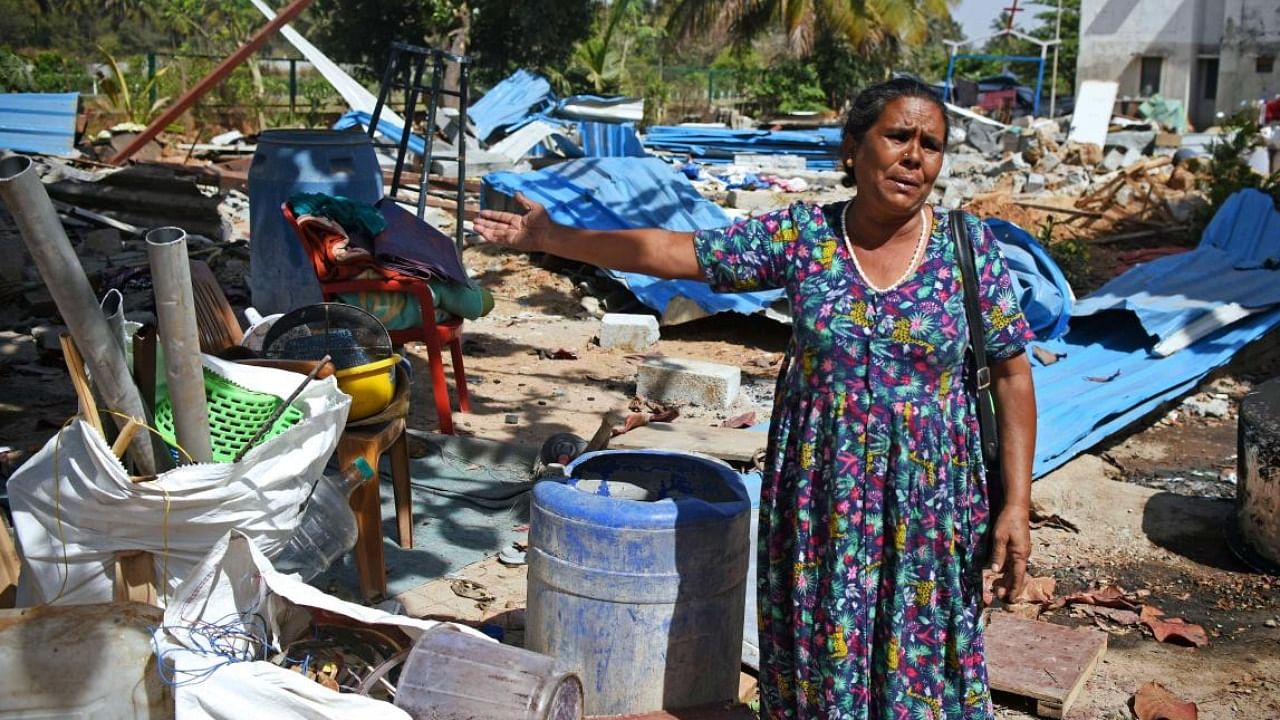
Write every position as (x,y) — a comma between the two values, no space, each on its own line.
(510,102)
(621,193)
(38,122)
(1043,291)
(1231,274)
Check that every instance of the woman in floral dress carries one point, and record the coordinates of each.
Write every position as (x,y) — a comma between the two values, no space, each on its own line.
(874,512)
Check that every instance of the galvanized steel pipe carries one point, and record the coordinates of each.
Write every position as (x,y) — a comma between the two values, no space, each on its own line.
(180,338)
(42,232)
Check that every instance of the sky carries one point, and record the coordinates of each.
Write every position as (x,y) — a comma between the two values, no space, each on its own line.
(976,15)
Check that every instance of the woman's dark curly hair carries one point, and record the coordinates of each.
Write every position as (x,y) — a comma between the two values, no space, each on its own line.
(869,103)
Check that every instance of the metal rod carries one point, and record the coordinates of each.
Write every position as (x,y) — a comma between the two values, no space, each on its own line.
(47,242)
(214,77)
(176,320)
(266,424)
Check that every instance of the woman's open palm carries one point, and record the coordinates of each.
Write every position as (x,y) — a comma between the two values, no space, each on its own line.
(528,232)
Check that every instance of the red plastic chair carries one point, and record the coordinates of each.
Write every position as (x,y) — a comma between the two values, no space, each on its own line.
(434,335)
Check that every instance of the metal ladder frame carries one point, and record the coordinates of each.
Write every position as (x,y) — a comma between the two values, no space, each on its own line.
(406,66)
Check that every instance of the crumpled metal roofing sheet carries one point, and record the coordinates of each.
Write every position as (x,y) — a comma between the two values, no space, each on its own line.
(620,193)
(820,148)
(1109,374)
(38,122)
(1233,273)
(509,102)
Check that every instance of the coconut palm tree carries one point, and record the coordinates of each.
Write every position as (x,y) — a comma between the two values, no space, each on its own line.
(869,26)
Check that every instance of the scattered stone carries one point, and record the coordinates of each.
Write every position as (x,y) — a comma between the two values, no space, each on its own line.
(1048,163)
(511,418)
(984,137)
(694,382)
(591,304)
(17,349)
(1184,207)
(1207,406)
(1035,183)
(633,333)
(47,338)
(1114,160)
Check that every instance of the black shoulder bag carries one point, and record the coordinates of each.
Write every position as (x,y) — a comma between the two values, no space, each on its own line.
(978,370)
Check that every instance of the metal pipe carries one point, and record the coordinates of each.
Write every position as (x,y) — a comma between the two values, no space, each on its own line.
(180,338)
(214,77)
(47,242)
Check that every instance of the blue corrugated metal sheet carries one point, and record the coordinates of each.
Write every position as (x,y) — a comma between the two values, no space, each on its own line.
(820,148)
(619,193)
(509,102)
(38,122)
(1232,273)
(605,139)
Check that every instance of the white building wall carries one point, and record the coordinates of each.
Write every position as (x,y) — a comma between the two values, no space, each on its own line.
(1116,34)
(1251,31)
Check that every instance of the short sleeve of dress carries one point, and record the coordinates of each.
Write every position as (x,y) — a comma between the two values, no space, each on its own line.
(1007,330)
(754,253)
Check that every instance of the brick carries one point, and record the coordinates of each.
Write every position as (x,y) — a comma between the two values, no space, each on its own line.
(634,333)
(676,380)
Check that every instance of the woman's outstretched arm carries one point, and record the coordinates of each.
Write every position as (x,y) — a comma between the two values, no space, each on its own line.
(651,251)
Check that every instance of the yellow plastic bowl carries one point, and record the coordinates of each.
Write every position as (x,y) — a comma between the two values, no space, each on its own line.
(371,386)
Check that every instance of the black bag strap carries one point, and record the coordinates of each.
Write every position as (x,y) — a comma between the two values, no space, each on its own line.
(979,371)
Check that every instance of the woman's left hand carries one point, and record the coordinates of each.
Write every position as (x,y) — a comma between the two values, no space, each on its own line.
(1011,549)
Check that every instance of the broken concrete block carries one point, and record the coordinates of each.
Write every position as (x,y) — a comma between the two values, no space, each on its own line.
(634,333)
(770,163)
(984,137)
(753,201)
(1035,183)
(106,241)
(1133,141)
(676,380)
(1048,163)
(1114,160)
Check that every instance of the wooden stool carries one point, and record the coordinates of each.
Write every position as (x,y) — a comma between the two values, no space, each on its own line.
(370,438)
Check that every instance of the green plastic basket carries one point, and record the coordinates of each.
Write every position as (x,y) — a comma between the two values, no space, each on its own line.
(235,414)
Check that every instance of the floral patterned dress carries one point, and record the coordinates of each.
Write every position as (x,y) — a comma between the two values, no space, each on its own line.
(873,508)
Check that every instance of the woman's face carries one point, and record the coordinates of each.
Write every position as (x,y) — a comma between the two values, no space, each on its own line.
(898,159)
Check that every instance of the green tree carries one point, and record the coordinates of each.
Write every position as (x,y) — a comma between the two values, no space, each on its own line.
(866,25)
(506,36)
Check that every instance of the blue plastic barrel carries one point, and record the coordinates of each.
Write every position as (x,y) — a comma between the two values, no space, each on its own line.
(637,566)
(333,162)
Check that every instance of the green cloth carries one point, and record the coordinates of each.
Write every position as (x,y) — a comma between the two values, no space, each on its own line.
(354,216)
(401,311)
(1168,113)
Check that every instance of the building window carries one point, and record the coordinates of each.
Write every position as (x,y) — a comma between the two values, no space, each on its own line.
(1265,64)
(1149,76)
(1209,78)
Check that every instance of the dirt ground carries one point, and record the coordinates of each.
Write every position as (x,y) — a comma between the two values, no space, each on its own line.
(1149,506)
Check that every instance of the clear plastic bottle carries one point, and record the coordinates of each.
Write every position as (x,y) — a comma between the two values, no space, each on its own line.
(328,527)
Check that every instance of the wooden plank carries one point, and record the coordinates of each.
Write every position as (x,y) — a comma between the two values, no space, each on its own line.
(1046,662)
(10,566)
(730,444)
(135,577)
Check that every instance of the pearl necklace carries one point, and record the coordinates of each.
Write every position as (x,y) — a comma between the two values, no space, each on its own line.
(911,266)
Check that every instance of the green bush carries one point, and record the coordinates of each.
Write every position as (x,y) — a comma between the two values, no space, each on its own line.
(1228,169)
